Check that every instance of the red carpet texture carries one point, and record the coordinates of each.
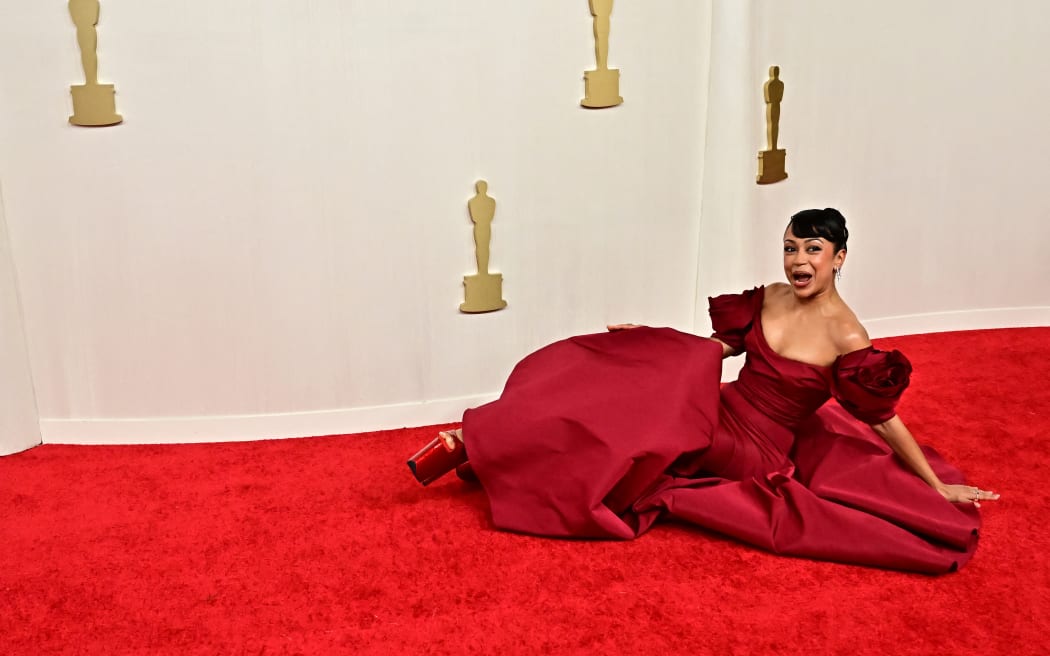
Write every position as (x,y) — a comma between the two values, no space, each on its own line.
(327,546)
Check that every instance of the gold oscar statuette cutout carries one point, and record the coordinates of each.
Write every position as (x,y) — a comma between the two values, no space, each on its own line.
(484,291)
(771,161)
(94,104)
(602,85)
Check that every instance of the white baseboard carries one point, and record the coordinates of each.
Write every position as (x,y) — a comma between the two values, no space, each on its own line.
(237,428)
(940,322)
(241,428)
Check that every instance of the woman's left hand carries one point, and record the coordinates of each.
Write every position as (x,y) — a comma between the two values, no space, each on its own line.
(967,494)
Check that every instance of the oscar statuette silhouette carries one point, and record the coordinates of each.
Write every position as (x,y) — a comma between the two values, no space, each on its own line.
(94,104)
(602,85)
(483,291)
(772,160)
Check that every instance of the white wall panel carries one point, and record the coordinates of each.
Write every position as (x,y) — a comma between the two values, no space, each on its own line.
(727,239)
(19,424)
(273,242)
(924,123)
(279,228)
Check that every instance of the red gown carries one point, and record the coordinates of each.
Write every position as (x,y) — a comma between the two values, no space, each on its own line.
(600,435)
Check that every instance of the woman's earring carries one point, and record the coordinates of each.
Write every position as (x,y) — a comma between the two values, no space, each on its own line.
(838,274)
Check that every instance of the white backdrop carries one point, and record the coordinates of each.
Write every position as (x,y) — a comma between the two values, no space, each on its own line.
(924,123)
(273,243)
(19,424)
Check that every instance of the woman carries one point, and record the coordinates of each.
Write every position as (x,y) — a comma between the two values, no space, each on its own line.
(599,435)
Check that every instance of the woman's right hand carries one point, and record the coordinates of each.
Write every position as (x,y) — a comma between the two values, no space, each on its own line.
(613,327)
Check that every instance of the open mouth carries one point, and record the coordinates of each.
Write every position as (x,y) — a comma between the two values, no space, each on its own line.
(801,278)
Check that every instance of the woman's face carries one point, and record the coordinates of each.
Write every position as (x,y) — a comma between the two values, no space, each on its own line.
(810,263)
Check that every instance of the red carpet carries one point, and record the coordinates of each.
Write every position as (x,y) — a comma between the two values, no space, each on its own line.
(327,546)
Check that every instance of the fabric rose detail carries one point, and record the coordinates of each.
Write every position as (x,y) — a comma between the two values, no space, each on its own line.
(884,374)
(869,383)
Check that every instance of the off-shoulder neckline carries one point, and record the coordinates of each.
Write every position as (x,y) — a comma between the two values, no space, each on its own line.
(761,333)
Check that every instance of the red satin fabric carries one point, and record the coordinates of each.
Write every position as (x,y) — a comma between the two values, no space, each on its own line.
(601,435)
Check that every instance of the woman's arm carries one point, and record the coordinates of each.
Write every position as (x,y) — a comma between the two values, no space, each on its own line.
(900,439)
(727,350)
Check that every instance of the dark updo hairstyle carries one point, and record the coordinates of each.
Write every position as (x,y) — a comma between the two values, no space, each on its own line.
(827,223)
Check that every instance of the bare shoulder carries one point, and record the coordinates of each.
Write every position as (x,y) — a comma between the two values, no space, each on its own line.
(777,293)
(777,288)
(847,332)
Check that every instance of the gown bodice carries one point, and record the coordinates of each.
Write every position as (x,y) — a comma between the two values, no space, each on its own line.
(786,392)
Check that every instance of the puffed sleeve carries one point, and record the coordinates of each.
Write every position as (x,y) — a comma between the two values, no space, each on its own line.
(869,382)
(733,314)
